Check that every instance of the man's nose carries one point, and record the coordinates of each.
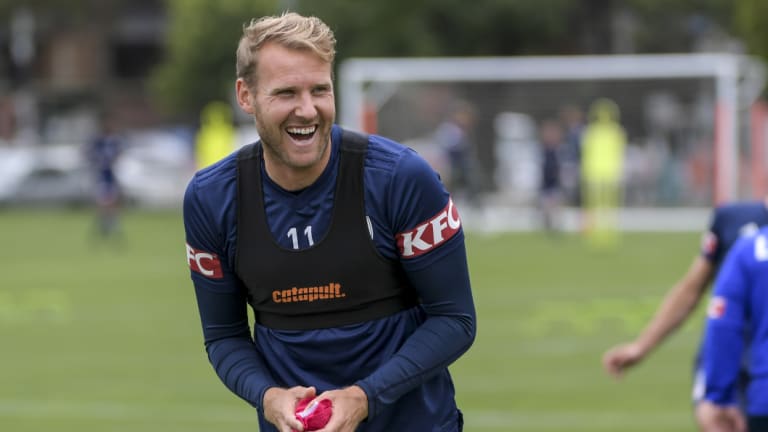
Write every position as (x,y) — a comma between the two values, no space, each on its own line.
(306,106)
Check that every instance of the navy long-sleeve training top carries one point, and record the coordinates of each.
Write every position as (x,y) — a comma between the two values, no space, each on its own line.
(406,208)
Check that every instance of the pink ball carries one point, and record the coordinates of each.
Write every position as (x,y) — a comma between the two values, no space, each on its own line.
(314,416)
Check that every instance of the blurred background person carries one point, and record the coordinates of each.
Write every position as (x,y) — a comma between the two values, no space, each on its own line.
(454,137)
(216,137)
(727,224)
(602,167)
(737,328)
(102,154)
(550,180)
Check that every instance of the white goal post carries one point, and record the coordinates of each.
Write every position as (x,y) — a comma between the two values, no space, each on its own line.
(738,81)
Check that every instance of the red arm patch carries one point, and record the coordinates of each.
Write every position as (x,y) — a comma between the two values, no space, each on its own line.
(429,234)
(205,263)
(709,243)
(716,307)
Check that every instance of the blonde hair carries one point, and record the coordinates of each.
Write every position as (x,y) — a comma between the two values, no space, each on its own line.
(290,30)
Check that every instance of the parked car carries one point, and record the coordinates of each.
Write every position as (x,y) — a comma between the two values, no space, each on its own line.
(152,170)
(49,176)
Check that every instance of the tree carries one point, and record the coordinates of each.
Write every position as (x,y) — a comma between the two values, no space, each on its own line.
(751,24)
(442,27)
(200,52)
(199,64)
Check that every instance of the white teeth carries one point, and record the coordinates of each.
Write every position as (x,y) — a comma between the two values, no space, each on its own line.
(302,131)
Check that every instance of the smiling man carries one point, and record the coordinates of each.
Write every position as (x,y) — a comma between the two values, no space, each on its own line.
(347,247)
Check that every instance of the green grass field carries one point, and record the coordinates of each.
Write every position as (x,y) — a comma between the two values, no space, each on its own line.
(106,337)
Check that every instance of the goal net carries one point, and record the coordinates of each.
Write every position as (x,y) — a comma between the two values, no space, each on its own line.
(695,131)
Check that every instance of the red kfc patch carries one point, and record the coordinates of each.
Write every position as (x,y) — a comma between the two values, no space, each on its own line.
(716,308)
(709,243)
(429,234)
(205,263)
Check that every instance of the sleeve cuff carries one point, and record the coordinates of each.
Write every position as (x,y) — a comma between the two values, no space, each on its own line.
(373,405)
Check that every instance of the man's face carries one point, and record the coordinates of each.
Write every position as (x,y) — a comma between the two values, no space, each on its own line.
(294,108)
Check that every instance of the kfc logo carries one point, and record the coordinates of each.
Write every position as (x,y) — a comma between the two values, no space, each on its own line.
(205,263)
(430,234)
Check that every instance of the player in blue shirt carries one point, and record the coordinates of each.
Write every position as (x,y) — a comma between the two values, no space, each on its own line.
(102,154)
(738,307)
(347,247)
(728,223)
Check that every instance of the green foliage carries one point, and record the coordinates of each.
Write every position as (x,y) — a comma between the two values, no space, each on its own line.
(106,337)
(751,22)
(201,40)
(440,27)
(673,25)
(201,43)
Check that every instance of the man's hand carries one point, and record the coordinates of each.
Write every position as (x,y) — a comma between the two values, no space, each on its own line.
(620,358)
(280,406)
(718,418)
(350,408)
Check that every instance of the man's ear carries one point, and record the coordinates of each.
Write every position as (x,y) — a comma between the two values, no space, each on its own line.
(244,96)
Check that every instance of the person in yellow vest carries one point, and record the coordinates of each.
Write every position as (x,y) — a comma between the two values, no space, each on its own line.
(216,137)
(602,167)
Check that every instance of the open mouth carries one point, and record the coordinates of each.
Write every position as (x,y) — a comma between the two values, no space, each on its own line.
(302,133)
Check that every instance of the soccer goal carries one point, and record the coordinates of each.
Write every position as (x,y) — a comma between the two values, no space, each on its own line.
(694,125)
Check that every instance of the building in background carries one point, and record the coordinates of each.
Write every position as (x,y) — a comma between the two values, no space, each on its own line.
(58,68)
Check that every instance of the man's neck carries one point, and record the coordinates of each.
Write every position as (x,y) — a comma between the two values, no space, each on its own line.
(295,179)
